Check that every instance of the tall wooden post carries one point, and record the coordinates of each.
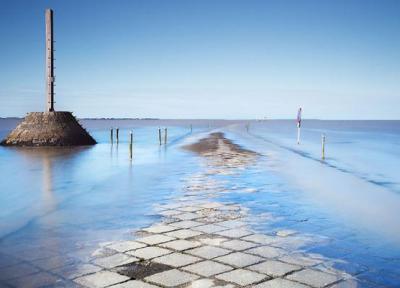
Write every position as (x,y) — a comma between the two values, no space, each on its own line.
(49,60)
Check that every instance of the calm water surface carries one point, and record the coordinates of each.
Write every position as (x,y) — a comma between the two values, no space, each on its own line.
(59,203)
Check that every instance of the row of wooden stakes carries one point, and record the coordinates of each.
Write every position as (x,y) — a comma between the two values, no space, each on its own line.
(117,135)
(131,138)
(117,139)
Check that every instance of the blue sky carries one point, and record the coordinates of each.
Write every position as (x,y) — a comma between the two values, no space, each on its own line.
(205,59)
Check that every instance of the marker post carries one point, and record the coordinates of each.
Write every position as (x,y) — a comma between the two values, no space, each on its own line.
(298,133)
(298,125)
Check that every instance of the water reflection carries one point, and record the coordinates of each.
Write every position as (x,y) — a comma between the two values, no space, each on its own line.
(32,239)
(32,187)
(57,204)
(48,198)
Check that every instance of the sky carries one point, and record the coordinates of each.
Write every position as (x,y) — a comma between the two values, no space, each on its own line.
(227,59)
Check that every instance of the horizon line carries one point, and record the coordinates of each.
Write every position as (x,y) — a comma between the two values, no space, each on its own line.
(212,119)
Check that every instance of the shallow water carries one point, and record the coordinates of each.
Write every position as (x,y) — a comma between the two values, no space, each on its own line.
(64,202)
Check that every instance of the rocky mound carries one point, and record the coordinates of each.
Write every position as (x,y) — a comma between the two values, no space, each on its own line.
(49,129)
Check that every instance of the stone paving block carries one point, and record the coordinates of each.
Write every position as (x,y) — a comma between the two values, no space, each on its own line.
(171,278)
(149,252)
(261,238)
(293,242)
(230,207)
(167,213)
(239,259)
(238,245)
(235,233)
(169,220)
(210,220)
(300,259)
(159,228)
(241,277)
(183,233)
(209,283)
(115,260)
(280,283)
(103,252)
(176,259)
(328,268)
(215,241)
(211,205)
(209,228)
(180,245)
(313,278)
(186,216)
(134,284)
(74,271)
(126,246)
(232,224)
(274,268)
(35,280)
(101,279)
(267,251)
(190,208)
(348,283)
(207,268)
(186,224)
(155,239)
(208,252)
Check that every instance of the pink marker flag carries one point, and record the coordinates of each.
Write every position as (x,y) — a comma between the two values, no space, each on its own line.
(299,118)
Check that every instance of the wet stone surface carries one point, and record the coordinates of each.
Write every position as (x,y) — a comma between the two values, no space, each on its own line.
(171,278)
(101,279)
(142,269)
(198,242)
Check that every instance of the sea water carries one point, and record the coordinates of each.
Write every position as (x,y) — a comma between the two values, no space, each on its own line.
(64,202)
(351,197)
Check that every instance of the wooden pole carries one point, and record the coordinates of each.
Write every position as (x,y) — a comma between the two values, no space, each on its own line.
(323,146)
(165,136)
(50,79)
(130,144)
(117,134)
(298,133)
(191,128)
(299,112)
(111,136)
(159,136)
